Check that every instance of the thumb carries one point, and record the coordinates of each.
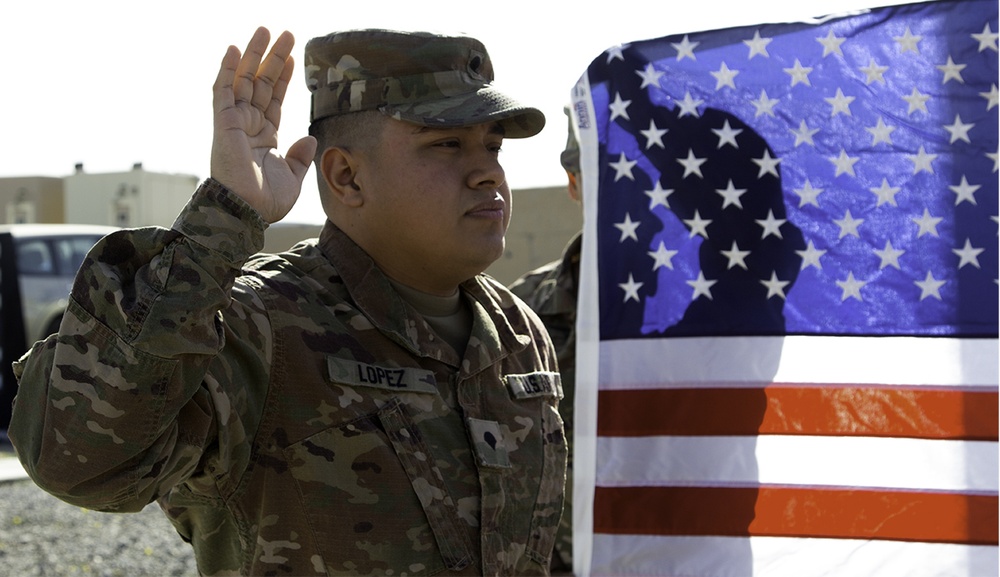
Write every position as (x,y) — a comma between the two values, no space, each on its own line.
(300,156)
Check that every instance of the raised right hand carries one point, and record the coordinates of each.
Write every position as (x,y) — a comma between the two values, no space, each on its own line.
(247,98)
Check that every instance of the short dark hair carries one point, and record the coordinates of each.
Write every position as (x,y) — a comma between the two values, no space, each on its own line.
(353,131)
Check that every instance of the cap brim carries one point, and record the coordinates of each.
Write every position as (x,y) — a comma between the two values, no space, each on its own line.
(485,105)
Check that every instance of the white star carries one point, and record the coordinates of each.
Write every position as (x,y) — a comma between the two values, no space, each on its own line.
(631,289)
(654,135)
(917,101)
(844,163)
(965,191)
(992,97)
(727,135)
(628,228)
(701,286)
(658,196)
(623,167)
(807,194)
(851,287)
(929,287)
(758,45)
(799,73)
(619,107)
(908,42)
(889,255)
(689,105)
(831,44)
(810,256)
(615,53)
(736,256)
(663,257)
(987,39)
(951,71)
(692,165)
(685,48)
(697,225)
(767,164)
(927,223)
(771,225)
(849,225)
(922,161)
(764,105)
(968,254)
(804,135)
(840,104)
(886,194)
(995,157)
(650,76)
(724,77)
(731,195)
(873,72)
(774,286)
(881,132)
(958,130)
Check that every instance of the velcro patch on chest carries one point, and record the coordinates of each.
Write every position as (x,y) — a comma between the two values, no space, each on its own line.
(488,442)
(400,379)
(531,385)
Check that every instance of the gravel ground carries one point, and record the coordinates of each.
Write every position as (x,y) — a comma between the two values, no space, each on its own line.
(40,536)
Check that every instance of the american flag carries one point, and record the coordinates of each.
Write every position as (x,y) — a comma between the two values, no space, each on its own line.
(789,307)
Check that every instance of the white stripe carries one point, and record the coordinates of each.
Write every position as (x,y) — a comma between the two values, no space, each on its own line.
(656,363)
(917,464)
(627,555)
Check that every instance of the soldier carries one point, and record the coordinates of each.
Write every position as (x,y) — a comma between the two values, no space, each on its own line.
(551,290)
(366,403)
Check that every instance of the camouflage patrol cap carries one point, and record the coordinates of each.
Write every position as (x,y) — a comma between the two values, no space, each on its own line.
(418,77)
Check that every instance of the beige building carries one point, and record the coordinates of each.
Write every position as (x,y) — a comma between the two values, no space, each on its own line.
(136,197)
(544,219)
(31,199)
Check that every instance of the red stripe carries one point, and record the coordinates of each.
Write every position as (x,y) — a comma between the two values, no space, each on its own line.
(797,512)
(794,410)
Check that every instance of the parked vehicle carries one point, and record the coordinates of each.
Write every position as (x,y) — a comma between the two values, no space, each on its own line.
(47,257)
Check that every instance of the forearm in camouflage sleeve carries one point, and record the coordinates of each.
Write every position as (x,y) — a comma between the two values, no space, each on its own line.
(115,409)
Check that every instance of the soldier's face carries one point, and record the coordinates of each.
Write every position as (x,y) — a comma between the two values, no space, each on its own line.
(439,202)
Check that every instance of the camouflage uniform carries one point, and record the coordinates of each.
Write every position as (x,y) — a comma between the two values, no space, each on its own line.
(551,291)
(292,415)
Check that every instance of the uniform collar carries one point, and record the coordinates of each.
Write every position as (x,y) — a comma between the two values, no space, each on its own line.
(493,335)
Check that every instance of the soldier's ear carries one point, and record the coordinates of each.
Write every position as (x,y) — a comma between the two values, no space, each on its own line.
(340,170)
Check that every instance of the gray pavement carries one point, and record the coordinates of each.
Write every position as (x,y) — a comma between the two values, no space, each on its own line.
(41,536)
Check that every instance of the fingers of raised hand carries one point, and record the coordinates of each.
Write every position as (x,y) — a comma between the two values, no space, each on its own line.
(275,69)
(222,90)
(273,110)
(255,78)
(246,72)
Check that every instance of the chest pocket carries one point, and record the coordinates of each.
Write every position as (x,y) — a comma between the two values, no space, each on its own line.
(375,498)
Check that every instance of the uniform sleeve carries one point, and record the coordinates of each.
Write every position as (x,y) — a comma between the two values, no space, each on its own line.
(121,404)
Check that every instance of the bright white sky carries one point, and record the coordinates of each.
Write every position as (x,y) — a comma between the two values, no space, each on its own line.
(112,83)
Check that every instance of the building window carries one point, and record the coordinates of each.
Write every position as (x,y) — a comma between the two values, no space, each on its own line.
(21,211)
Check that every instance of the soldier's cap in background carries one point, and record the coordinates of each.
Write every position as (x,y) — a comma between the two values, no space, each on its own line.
(418,77)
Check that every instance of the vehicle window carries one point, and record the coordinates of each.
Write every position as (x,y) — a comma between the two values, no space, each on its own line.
(34,257)
(72,251)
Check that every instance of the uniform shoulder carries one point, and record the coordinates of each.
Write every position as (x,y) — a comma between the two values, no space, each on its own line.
(527,284)
(518,311)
